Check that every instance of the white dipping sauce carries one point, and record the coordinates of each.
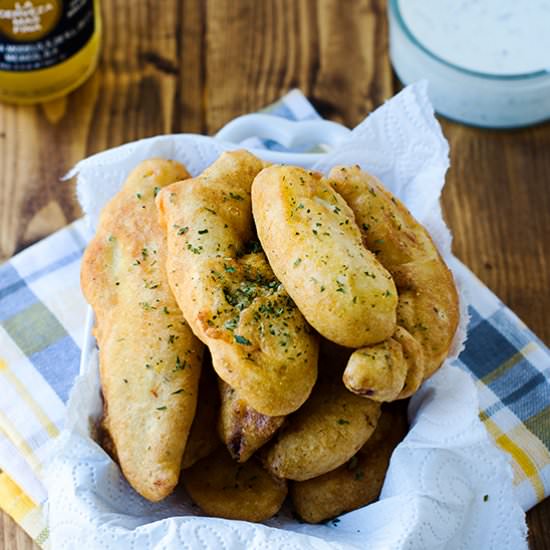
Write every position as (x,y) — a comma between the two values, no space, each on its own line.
(487,61)
(503,37)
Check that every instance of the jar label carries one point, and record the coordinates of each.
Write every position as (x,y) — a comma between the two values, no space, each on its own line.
(36,34)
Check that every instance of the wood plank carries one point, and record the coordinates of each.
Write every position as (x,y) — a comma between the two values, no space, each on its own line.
(12,537)
(354,74)
(498,207)
(539,526)
(257,51)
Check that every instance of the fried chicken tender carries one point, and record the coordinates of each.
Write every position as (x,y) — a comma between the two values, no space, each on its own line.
(261,345)
(387,371)
(428,301)
(356,483)
(223,488)
(203,438)
(149,360)
(314,246)
(243,429)
(324,433)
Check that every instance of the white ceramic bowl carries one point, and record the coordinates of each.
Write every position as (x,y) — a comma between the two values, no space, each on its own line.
(480,99)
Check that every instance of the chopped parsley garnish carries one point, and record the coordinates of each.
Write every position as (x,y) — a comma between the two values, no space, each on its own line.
(179,364)
(156,191)
(229,268)
(242,340)
(341,287)
(183,230)
(202,231)
(365,226)
(342,421)
(138,195)
(231,324)
(150,284)
(165,310)
(178,391)
(194,249)
(297,262)
(161,408)
(235,196)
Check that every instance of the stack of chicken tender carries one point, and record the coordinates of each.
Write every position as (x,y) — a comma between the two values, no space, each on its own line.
(259,327)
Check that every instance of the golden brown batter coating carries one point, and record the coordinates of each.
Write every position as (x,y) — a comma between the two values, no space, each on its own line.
(314,246)
(225,489)
(354,484)
(261,345)
(428,300)
(149,359)
(243,429)
(324,433)
(203,436)
(387,371)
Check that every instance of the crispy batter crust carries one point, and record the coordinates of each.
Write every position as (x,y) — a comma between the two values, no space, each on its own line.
(261,345)
(387,371)
(243,429)
(203,437)
(428,301)
(149,359)
(354,484)
(327,431)
(223,488)
(314,246)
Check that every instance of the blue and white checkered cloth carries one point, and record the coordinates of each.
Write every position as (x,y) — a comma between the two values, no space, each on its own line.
(42,314)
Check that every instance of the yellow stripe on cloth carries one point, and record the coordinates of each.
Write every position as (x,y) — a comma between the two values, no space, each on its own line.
(514,360)
(28,515)
(523,465)
(27,397)
(20,443)
(13,500)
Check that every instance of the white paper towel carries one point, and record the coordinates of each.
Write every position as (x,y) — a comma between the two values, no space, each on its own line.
(447,485)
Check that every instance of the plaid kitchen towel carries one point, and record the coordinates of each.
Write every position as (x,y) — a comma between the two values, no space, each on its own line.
(42,314)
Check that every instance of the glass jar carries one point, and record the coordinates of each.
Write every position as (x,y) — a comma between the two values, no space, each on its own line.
(47,47)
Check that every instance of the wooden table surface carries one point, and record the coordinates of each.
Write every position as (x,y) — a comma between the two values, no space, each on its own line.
(192,65)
